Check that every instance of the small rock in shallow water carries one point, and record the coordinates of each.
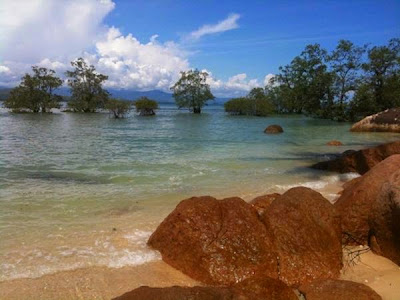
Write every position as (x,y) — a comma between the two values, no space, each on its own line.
(273,129)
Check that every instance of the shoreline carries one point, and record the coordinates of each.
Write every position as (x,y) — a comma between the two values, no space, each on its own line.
(373,270)
(102,282)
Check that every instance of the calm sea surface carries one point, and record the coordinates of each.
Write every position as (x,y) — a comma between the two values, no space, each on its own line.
(81,190)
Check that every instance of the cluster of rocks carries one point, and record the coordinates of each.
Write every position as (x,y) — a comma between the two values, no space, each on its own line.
(281,246)
(359,161)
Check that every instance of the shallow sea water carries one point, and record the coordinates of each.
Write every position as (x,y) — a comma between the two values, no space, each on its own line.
(81,190)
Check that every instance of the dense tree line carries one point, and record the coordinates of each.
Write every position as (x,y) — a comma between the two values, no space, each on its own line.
(349,82)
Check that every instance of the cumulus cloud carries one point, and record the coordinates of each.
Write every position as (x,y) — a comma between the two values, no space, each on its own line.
(268,78)
(236,86)
(130,63)
(51,33)
(227,24)
(32,30)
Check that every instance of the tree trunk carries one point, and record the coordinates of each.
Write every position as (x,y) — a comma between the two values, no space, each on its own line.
(196,110)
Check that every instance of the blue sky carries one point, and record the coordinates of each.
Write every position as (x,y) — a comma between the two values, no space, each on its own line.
(144,44)
(270,33)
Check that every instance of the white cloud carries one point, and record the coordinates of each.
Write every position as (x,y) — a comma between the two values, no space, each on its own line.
(267,79)
(227,24)
(4,69)
(130,63)
(51,33)
(32,30)
(236,86)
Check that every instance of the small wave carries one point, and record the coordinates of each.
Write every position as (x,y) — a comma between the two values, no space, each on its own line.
(322,183)
(127,250)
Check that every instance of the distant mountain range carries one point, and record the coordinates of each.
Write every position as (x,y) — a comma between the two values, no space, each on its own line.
(160,96)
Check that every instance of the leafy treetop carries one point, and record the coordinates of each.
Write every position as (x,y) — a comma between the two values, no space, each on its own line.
(192,91)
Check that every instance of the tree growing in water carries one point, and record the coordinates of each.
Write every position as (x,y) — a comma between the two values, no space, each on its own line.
(256,103)
(118,108)
(145,106)
(35,92)
(87,93)
(192,91)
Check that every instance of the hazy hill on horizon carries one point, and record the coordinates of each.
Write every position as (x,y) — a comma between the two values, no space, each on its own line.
(160,96)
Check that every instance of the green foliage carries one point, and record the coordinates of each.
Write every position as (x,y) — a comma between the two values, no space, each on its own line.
(146,106)
(256,103)
(239,106)
(192,91)
(87,93)
(118,108)
(35,92)
(340,85)
(383,73)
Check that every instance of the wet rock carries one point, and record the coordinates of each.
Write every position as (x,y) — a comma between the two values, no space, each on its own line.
(261,203)
(338,289)
(267,288)
(386,121)
(384,220)
(360,161)
(273,129)
(179,293)
(357,200)
(334,143)
(218,242)
(307,236)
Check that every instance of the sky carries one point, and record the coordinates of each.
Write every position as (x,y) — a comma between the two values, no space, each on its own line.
(145,44)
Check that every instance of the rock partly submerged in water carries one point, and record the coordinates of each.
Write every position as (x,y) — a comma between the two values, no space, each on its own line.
(359,161)
(218,242)
(338,289)
(334,143)
(272,129)
(267,288)
(357,200)
(385,121)
(307,236)
(223,242)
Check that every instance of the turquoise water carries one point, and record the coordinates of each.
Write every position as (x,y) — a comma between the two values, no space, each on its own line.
(78,190)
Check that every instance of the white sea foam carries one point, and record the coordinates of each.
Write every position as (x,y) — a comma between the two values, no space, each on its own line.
(104,252)
(320,184)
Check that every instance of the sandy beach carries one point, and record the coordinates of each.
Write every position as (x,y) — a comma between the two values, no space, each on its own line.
(375,271)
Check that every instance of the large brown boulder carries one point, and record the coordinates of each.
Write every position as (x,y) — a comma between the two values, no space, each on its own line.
(307,235)
(218,242)
(261,203)
(179,293)
(267,288)
(360,161)
(384,219)
(271,129)
(357,200)
(338,289)
(388,121)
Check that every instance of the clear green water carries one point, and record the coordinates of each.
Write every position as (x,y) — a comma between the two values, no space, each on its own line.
(67,180)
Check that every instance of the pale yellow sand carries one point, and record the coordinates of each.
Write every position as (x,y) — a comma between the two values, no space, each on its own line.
(104,283)
(93,283)
(377,272)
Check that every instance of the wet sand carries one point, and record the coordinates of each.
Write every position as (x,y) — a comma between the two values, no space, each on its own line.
(105,283)
(379,273)
(93,283)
